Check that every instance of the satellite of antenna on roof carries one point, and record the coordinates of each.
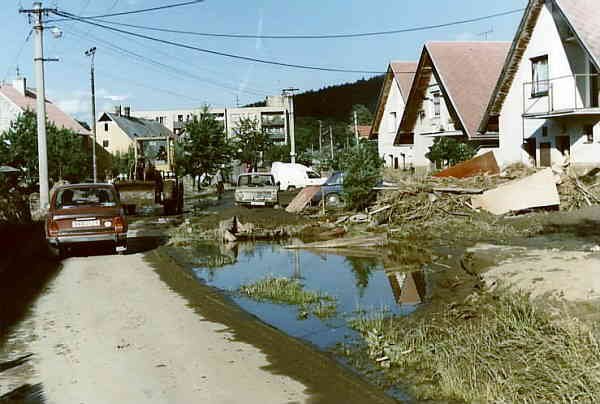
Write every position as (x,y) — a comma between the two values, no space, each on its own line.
(485,34)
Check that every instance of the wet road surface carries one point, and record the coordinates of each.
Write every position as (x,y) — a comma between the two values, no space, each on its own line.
(106,328)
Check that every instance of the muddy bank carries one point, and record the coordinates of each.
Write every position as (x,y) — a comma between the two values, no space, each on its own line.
(326,379)
(25,271)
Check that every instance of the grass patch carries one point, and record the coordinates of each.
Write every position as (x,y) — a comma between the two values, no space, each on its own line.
(291,292)
(490,347)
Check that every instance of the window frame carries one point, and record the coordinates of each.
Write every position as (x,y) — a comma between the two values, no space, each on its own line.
(536,84)
(105,143)
(437,104)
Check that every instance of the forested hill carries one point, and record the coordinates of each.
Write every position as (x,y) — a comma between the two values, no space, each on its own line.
(337,101)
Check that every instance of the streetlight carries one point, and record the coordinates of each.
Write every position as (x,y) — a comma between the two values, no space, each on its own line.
(92,53)
(289,94)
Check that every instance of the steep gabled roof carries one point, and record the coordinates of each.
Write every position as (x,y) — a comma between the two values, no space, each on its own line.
(400,74)
(466,73)
(583,17)
(137,127)
(54,114)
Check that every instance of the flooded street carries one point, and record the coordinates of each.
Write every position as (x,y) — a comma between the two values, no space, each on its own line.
(359,284)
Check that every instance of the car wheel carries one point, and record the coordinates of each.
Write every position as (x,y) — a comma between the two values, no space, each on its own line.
(333,200)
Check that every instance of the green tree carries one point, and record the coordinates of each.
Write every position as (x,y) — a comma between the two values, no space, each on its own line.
(251,142)
(447,151)
(123,162)
(68,156)
(362,168)
(363,114)
(205,147)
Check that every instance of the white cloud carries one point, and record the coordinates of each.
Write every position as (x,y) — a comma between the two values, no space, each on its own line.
(79,103)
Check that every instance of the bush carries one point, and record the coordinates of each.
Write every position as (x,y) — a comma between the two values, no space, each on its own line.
(447,151)
(363,171)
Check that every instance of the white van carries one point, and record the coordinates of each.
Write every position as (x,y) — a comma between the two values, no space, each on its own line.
(292,176)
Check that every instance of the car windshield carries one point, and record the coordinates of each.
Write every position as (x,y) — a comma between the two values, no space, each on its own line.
(76,197)
(335,179)
(256,181)
(313,175)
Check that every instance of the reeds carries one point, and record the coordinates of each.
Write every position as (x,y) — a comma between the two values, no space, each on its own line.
(291,292)
(489,348)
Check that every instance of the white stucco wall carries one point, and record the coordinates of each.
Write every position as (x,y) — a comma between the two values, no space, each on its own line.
(8,113)
(564,59)
(429,126)
(388,129)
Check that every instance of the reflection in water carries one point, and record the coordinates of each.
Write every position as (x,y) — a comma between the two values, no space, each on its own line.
(359,284)
(409,288)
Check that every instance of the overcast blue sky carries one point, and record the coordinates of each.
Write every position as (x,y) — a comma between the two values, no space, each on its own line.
(218,80)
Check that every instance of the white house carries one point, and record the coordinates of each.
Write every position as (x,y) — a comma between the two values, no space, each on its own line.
(18,98)
(452,84)
(390,107)
(546,103)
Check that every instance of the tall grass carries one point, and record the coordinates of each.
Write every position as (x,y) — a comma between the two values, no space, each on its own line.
(489,348)
(291,292)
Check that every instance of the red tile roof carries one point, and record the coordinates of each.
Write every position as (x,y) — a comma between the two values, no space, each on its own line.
(364,131)
(584,16)
(404,73)
(54,114)
(468,72)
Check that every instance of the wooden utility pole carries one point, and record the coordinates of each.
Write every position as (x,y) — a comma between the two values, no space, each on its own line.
(320,137)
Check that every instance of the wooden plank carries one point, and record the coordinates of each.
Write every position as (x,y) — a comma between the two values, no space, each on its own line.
(302,199)
(484,164)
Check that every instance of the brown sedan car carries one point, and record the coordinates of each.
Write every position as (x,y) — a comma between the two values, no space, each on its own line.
(86,214)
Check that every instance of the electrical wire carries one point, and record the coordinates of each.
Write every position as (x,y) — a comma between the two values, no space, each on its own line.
(144,10)
(324,36)
(18,56)
(218,53)
(163,66)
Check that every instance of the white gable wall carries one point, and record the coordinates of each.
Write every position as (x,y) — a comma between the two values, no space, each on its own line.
(564,59)
(428,126)
(9,112)
(388,128)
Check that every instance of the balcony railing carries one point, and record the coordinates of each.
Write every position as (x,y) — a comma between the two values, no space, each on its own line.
(562,95)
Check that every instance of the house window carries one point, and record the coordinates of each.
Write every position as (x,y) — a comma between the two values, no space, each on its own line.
(105,143)
(588,131)
(544,131)
(393,122)
(540,81)
(106,127)
(437,105)
(180,118)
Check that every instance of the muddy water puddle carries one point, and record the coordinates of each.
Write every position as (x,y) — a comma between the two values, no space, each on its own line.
(358,284)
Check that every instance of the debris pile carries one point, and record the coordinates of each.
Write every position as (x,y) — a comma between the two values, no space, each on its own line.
(578,192)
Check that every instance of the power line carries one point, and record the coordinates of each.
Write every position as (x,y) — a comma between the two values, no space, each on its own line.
(324,36)
(163,66)
(19,52)
(218,53)
(144,10)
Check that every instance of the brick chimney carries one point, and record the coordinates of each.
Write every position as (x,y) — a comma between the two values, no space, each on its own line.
(118,110)
(20,84)
(127,110)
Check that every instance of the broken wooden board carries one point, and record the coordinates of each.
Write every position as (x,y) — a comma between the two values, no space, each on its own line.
(459,191)
(536,191)
(484,164)
(302,199)
(355,242)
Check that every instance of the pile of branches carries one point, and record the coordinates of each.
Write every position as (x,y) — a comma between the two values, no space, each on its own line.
(578,192)
(420,200)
